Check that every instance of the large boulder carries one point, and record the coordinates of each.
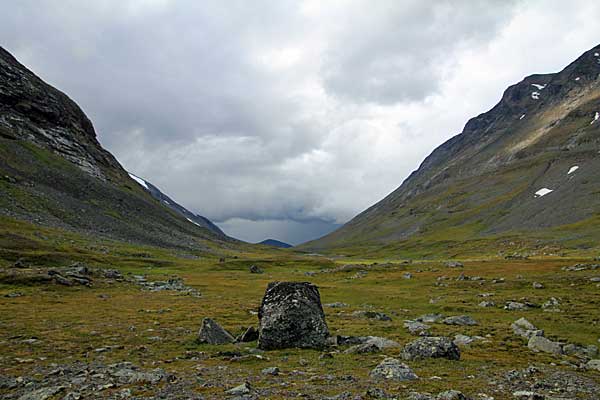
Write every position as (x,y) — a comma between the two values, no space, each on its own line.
(213,333)
(461,320)
(291,315)
(431,347)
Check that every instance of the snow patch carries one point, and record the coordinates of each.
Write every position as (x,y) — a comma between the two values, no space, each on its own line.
(522,116)
(578,78)
(193,222)
(543,192)
(166,202)
(538,86)
(535,95)
(573,169)
(596,117)
(596,54)
(139,180)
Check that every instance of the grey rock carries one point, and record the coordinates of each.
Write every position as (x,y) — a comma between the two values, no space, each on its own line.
(526,329)
(255,269)
(528,395)
(431,347)
(380,342)
(454,264)
(270,371)
(540,343)
(240,390)
(407,275)
(461,320)
(249,335)
(487,304)
(213,333)
(372,315)
(364,348)
(515,306)
(291,315)
(451,395)
(43,393)
(416,327)
(537,285)
(593,364)
(393,369)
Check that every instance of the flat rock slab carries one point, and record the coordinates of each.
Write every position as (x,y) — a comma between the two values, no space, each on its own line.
(290,316)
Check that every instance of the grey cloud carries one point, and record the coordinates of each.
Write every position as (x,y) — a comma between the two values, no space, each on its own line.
(398,51)
(283,116)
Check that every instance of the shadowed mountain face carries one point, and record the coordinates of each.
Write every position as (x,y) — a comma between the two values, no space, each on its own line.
(54,172)
(526,169)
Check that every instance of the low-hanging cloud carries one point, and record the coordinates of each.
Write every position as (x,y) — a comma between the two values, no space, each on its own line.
(297,114)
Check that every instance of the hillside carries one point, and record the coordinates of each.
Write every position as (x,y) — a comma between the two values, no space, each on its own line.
(55,173)
(275,243)
(522,176)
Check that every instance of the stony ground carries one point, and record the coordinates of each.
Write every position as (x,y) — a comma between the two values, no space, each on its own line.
(122,323)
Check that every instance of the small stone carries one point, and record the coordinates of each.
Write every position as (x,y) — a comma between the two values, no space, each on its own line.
(270,371)
(240,390)
(454,264)
(372,315)
(255,269)
(537,285)
(487,304)
(407,275)
(393,369)
(593,364)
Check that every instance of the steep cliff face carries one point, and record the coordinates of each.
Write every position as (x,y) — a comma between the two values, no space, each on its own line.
(528,167)
(54,172)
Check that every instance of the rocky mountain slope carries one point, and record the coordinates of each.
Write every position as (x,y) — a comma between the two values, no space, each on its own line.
(525,171)
(54,172)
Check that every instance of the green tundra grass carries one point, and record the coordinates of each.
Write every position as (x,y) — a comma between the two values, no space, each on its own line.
(156,329)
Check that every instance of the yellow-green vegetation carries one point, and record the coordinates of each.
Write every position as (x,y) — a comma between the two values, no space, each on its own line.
(157,329)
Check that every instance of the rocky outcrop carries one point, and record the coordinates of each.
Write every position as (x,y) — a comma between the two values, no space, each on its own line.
(540,343)
(291,315)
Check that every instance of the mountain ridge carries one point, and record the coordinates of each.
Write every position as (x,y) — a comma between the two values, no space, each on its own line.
(55,172)
(541,124)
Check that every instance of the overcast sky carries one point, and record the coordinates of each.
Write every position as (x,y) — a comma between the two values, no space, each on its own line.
(284,118)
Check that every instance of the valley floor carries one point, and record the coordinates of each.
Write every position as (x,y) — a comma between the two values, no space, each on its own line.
(120,337)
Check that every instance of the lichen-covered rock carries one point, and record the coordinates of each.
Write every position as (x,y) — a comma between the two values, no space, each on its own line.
(291,315)
(540,343)
(431,347)
(393,369)
(526,329)
(213,333)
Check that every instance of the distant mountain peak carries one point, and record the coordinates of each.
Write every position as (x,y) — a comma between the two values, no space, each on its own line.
(275,243)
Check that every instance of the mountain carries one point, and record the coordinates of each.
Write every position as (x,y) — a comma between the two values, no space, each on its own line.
(179,209)
(523,175)
(54,172)
(275,243)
